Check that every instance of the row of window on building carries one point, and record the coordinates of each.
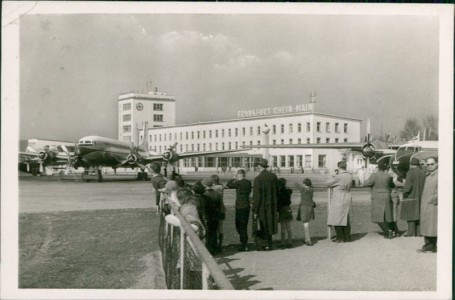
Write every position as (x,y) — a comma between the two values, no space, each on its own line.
(156,106)
(222,133)
(231,145)
(281,161)
(126,118)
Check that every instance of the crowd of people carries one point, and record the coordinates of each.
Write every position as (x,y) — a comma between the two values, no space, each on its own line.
(419,206)
(268,200)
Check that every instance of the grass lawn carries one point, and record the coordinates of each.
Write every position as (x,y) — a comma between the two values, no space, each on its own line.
(85,249)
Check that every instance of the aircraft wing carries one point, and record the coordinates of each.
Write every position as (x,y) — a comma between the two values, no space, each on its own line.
(374,150)
(58,159)
(206,153)
(28,156)
(157,158)
(352,146)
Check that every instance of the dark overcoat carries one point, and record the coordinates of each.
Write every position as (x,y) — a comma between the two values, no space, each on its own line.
(381,200)
(412,194)
(265,187)
(429,208)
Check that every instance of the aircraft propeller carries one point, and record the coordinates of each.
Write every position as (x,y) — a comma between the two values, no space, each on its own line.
(169,157)
(368,148)
(133,157)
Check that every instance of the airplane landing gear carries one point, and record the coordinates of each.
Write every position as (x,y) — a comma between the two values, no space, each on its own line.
(100,176)
(142,176)
(89,173)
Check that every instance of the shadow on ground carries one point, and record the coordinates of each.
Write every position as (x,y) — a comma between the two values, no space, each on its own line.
(240,282)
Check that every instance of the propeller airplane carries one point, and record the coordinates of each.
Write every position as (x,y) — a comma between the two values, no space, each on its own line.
(58,156)
(93,152)
(398,157)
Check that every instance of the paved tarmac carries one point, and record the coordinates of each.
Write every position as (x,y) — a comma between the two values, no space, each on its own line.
(369,263)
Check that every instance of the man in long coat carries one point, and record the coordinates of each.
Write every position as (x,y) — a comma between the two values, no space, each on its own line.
(265,202)
(429,208)
(412,194)
(381,200)
(340,204)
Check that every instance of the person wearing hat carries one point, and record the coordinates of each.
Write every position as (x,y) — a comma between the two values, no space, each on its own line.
(381,199)
(412,196)
(265,187)
(212,205)
(340,204)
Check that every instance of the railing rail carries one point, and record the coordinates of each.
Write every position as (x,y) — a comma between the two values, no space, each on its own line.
(186,260)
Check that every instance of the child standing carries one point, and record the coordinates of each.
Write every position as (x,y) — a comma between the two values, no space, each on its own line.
(306,207)
(284,212)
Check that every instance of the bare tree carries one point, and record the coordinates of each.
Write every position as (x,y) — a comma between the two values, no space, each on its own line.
(430,127)
(411,129)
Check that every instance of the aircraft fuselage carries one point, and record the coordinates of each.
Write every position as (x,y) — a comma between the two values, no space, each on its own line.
(99,151)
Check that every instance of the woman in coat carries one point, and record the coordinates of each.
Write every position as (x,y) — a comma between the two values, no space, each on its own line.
(381,200)
(412,194)
(340,204)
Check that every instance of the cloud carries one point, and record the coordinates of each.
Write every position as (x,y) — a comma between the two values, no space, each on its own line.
(283,56)
(219,50)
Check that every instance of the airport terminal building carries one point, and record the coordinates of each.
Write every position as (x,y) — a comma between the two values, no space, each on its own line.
(295,124)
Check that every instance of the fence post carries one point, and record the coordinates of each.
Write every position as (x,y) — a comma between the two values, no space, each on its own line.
(329,229)
(182,257)
(205,277)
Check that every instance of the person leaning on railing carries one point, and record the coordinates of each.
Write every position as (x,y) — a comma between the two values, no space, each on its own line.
(158,182)
(187,204)
(166,192)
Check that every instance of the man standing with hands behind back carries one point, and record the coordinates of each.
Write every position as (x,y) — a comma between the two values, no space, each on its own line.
(265,188)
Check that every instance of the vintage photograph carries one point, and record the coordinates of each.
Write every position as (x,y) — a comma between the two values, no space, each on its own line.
(221,150)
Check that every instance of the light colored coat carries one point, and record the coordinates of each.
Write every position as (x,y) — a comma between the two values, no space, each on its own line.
(429,208)
(341,200)
(381,200)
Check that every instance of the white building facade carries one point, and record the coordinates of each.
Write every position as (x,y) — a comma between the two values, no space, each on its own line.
(286,128)
(156,108)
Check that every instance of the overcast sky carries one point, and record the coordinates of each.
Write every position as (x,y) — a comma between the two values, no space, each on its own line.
(73,67)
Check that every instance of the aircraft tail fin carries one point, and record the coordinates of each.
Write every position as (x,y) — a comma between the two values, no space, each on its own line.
(30,149)
(145,130)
